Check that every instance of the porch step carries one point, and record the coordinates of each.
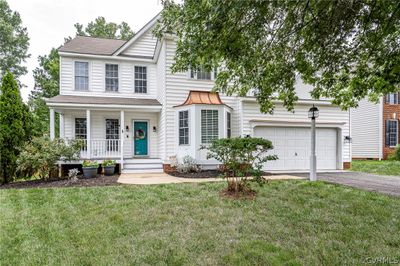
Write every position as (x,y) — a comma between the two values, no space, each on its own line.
(139,171)
(143,165)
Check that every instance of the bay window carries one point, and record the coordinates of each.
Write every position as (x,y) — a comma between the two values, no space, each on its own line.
(209,126)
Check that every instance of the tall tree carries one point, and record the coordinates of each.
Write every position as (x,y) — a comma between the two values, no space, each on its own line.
(14,42)
(101,28)
(15,124)
(47,74)
(347,50)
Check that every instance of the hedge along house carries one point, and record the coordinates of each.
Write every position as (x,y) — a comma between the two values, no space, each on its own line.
(122,99)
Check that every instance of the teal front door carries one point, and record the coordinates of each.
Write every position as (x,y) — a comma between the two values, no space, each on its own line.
(140,137)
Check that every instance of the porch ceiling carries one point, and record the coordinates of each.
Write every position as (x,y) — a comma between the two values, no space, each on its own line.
(101,102)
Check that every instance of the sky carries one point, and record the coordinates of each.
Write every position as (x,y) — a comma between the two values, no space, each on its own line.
(50,21)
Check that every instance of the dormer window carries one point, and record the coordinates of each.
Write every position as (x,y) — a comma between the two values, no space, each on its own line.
(203,74)
(111,77)
(81,76)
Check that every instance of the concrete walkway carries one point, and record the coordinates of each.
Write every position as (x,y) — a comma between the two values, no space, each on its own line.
(163,178)
(380,183)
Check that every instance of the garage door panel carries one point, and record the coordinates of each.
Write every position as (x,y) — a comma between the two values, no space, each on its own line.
(292,145)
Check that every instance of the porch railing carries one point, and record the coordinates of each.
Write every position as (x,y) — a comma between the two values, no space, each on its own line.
(101,148)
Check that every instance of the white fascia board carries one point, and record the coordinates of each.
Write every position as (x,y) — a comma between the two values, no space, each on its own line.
(301,101)
(104,106)
(107,57)
(138,34)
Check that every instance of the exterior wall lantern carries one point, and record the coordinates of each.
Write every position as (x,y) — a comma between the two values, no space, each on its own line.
(154,129)
(313,113)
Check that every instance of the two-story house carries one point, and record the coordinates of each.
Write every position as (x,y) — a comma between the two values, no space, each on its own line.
(375,128)
(122,99)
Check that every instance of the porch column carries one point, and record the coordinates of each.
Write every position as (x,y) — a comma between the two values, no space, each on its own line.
(62,133)
(88,134)
(122,137)
(52,126)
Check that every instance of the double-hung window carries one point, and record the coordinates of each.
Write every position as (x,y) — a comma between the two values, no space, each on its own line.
(81,76)
(392,133)
(112,134)
(111,77)
(80,130)
(140,79)
(184,127)
(228,125)
(203,74)
(209,126)
(393,98)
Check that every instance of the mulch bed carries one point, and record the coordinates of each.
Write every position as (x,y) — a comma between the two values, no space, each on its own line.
(200,174)
(101,180)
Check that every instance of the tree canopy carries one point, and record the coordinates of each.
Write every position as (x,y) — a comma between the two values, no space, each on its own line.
(101,28)
(347,50)
(14,42)
(47,74)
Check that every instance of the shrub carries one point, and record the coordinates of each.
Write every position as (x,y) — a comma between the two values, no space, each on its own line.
(89,163)
(187,165)
(40,156)
(396,155)
(240,158)
(72,174)
(106,163)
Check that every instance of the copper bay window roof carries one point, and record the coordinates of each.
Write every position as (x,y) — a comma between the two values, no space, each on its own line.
(202,97)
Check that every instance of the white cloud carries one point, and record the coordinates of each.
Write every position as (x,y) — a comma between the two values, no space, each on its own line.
(50,21)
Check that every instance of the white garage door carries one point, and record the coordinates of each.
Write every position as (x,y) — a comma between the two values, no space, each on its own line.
(292,145)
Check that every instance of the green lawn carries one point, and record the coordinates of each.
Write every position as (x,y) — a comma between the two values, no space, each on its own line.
(296,222)
(377,167)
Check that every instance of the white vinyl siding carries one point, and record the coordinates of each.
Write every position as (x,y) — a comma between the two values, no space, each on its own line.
(365,130)
(111,77)
(81,76)
(97,76)
(143,47)
(140,79)
(209,126)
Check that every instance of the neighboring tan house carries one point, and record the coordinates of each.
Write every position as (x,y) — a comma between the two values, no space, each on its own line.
(375,128)
(122,99)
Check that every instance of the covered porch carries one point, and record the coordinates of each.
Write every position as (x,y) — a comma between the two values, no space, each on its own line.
(109,127)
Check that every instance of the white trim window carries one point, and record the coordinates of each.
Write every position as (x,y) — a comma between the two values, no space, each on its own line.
(111,77)
(80,128)
(203,74)
(228,125)
(392,133)
(81,76)
(393,98)
(140,79)
(184,127)
(112,134)
(209,126)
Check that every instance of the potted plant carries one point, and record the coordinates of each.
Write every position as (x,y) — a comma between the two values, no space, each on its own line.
(108,167)
(90,168)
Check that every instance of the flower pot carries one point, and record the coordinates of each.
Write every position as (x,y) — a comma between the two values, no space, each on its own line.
(90,172)
(109,170)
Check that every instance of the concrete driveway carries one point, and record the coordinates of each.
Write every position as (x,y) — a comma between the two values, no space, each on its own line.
(379,183)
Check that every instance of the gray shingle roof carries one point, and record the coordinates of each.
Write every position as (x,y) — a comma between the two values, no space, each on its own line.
(102,100)
(91,45)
